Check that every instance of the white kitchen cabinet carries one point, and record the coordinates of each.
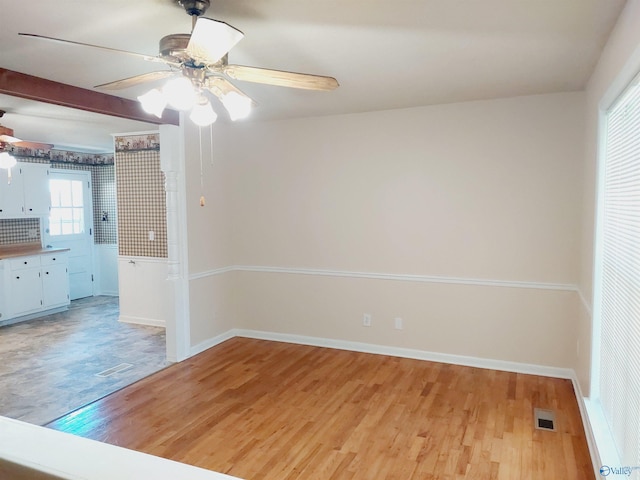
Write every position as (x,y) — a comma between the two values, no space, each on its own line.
(35,182)
(25,289)
(34,284)
(11,194)
(27,194)
(55,280)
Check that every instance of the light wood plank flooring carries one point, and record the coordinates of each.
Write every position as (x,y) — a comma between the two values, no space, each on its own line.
(267,410)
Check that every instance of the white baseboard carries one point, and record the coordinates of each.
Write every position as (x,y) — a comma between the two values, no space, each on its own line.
(409,353)
(586,424)
(212,342)
(151,322)
(108,293)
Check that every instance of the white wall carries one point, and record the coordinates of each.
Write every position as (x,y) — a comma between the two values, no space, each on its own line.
(106,269)
(146,297)
(209,237)
(483,196)
(618,64)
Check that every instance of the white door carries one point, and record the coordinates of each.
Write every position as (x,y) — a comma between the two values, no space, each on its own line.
(71,226)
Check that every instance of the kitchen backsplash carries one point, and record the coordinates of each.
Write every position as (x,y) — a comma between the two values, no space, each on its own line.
(18,230)
(103,192)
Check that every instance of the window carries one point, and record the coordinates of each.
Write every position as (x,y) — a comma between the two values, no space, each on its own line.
(618,283)
(67,209)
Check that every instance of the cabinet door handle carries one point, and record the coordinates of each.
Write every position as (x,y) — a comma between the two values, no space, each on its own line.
(54,259)
(46,273)
(26,263)
(17,278)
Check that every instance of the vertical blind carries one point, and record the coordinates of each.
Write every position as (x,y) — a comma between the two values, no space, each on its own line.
(620,277)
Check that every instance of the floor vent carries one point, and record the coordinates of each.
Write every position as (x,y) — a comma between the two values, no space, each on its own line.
(544,419)
(113,370)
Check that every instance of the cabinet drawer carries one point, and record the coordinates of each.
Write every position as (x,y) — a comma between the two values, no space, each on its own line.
(24,262)
(53,258)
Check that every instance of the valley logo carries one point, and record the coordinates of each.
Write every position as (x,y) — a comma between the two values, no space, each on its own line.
(606,470)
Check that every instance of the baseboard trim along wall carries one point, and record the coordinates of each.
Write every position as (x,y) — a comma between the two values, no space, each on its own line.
(503,365)
(150,322)
(594,451)
(212,342)
(409,353)
(492,364)
(388,276)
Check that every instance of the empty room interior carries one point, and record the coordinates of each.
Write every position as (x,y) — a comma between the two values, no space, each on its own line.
(417,259)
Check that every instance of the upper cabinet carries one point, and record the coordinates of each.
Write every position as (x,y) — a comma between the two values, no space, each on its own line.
(27,194)
(11,194)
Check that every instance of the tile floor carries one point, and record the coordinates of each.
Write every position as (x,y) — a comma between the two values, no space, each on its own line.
(48,365)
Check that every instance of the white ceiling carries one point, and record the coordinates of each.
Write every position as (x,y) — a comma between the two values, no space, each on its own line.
(385,54)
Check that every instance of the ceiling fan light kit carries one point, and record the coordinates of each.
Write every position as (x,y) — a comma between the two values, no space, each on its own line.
(153,102)
(7,161)
(202,113)
(179,93)
(199,66)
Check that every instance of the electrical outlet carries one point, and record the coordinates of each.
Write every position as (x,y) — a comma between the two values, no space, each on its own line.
(366,320)
(398,323)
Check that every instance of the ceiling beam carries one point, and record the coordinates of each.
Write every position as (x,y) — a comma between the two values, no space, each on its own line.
(35,88)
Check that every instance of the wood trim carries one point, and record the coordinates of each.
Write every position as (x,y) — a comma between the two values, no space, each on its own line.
(40,89)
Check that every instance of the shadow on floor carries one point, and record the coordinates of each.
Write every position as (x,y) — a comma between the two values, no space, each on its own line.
(49,365)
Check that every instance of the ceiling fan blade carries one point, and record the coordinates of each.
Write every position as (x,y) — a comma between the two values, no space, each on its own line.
(34,145)
(211,40)
(6,136)
(220,87)
(148,58)
(9,139)
(136,80)
(280,78)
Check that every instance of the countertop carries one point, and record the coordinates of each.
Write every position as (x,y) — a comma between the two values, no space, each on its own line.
(26,249)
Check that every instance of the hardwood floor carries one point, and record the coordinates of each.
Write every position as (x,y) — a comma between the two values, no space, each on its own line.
(267,410)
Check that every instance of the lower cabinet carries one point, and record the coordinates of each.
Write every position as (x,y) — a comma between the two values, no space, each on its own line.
(55,286)
(34,284)
(25,289)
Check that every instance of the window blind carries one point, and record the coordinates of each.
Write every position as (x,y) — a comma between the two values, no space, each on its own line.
(620,277)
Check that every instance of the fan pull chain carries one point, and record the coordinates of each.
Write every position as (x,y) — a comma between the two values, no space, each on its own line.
(211,138)
(202,202)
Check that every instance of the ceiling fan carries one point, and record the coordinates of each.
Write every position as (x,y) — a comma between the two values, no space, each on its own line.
(7,138)
(7,160)
(201,58)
